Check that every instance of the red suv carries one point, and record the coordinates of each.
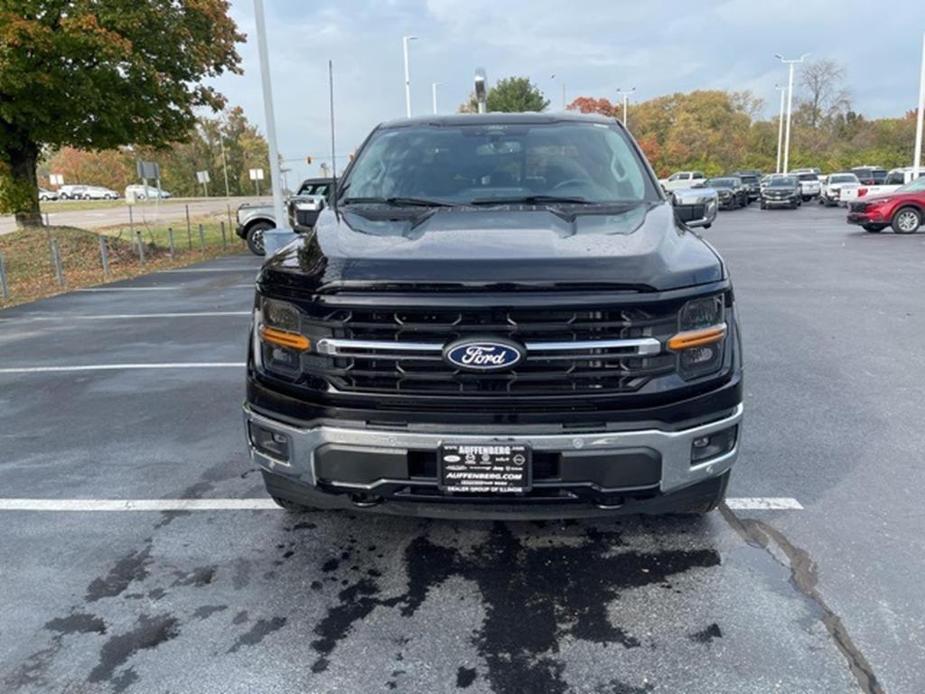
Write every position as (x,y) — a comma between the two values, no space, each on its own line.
(903,209)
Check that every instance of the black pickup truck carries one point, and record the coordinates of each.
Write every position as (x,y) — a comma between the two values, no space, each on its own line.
(496,316)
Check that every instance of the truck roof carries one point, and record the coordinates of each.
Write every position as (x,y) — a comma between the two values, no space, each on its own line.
(499,118)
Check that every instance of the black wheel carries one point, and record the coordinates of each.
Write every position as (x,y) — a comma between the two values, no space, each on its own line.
(714,494)
(291,506)
(907,220)
(873,228)
(255,237)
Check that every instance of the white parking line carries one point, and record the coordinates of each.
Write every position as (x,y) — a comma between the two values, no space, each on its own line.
(120,316)
(765,503)
(264,504)
(120,367)
(129,289)
(209,269)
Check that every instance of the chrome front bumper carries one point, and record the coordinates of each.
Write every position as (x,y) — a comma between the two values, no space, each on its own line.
(674,447)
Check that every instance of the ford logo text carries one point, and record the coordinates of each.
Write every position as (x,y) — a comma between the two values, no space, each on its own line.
(483,355)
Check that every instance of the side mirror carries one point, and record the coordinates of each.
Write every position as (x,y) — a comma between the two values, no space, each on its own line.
(303,211)
(695,207)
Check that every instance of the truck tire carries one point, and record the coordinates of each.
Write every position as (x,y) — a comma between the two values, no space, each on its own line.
(711,502)
(291,506)
(907,220)
(255,237)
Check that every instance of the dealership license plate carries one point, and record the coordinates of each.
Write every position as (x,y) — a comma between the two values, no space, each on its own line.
(484,469)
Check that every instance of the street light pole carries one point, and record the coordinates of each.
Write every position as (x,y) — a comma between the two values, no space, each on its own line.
(917,159)
(404,42)
(792,63)
(433,93)
(625,93)
(275,175)
(780,127)
(221,140)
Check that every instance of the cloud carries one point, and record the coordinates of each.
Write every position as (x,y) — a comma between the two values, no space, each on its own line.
(594,47)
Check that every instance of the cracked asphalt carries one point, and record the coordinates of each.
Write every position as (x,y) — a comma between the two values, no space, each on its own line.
(826,599)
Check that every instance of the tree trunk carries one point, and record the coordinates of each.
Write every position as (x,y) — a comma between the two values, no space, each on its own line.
(22,158)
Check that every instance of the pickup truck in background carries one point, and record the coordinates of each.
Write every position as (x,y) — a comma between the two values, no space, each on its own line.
(869,175)
(682,179)
(253,219)
(839,188)
(895,179)
(810,187)
(518,327)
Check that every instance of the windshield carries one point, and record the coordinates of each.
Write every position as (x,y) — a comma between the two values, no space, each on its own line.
(843,178)
(503,162)
(808,177)
(916,186)
(721,183)
(782,182)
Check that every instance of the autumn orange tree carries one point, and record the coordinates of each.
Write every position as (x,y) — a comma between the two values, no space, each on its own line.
(96,74)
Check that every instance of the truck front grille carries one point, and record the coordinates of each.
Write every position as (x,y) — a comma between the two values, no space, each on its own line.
(606,350)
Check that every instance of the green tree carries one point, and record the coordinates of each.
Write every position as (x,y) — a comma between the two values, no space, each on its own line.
(510,95)
(100,74)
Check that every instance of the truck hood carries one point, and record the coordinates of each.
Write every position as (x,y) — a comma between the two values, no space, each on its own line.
(642,248)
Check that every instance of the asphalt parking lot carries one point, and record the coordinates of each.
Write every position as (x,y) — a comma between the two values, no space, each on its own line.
(823,596)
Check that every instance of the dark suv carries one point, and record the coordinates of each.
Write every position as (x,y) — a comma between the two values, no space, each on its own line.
(496,316)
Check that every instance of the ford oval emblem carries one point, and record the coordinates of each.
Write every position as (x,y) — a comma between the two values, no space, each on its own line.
(483,354)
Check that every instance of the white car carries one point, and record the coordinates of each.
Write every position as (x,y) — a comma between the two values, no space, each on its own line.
(99,193)
(683,179)
(894,179)
(839,188)
(47,194)
(143,192)
(71,192)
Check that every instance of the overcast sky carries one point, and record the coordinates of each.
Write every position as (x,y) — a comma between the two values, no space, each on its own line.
(594,47)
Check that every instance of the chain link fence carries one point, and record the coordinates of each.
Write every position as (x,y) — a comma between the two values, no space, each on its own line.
(43,262)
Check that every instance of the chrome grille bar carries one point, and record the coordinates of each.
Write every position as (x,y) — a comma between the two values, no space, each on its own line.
(387,349)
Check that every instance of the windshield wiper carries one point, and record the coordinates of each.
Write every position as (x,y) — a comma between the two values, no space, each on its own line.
(534,200)
(397,202)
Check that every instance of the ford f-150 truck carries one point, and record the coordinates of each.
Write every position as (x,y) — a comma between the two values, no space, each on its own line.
(497,316)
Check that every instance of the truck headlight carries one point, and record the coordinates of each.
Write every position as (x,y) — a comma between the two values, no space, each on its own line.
(702,334)
(278,336)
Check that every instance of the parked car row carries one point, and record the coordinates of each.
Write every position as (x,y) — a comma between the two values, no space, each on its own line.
(84,192)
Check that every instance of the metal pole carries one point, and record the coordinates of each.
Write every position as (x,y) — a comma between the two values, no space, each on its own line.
(917,159)
(221,140)
(202,239)
(625,105)
(789,113)
(270,118)
(56,262)
(189,230)
(104,256)
(4,287)
(170,245)
(404,45)
(224,240)
(131,221)
(141,247)
(433,90)
(780,129)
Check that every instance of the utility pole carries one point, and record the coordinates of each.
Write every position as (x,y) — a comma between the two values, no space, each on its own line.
(780,126)
(404,42)
(917,159)
(792,62)
(221,140)
(275,176)
(625,93)
(433,93)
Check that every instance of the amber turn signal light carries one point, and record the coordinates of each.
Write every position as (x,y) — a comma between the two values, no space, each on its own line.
(697,338)
(284,338)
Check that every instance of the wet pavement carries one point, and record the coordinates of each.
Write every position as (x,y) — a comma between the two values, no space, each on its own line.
(824,599)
